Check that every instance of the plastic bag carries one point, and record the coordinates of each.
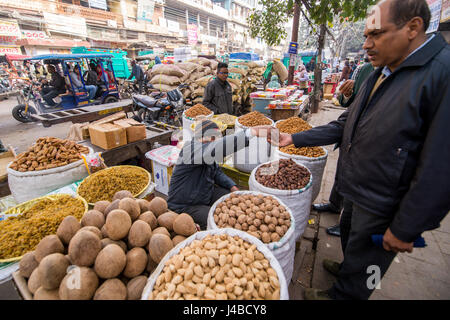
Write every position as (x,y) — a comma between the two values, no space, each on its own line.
(94,162)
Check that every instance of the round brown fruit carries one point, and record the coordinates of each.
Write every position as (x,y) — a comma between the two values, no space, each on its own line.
(158,206)
(118,223)
(131,207)
(135,287)
(150,218)
(110,262)
(139,235)
(27,264)
(52,270)
(93,218)
(80,283)
(136,262)
(119,195)
(67,229)
(84,248)
(48,245)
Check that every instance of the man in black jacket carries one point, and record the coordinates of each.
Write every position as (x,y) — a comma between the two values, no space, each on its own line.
(53,89)
(394,159)
(138,75)
(218,95)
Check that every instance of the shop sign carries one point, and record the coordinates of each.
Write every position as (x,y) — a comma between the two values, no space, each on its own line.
(14,50)
(10,28)
(8,40)
(34,34)
(66,24)
(173,26)
(293,48)
(435,8)
(145,10)
(192,34)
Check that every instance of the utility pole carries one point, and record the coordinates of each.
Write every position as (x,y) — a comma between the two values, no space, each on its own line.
(294,38)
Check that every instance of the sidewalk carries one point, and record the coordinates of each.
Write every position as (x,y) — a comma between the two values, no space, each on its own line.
(419,276)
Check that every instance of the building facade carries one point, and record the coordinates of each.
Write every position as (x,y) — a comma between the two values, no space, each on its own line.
(54,26)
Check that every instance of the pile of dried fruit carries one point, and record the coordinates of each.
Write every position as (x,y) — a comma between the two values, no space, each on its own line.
(283,175)
(254,119)
(293,125)
(219,267)
(103,184)
(197,110)
(21,234)
(113,250)
(48,153)
(261,216)
(309,152)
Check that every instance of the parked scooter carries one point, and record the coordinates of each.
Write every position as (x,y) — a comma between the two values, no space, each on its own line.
(159,107)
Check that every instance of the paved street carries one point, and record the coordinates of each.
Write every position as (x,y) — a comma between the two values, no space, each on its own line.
(420,275)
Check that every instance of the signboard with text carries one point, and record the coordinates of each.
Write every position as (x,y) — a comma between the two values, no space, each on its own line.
(14,50)
(445,16)
(145,10)
(34,34)
(9,28)
(435,8)
(293,48)
(99,4)
(65,24)
(192,34)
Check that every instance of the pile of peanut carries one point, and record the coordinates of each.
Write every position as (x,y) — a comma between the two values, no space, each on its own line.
(219,267)
(293,125)
(254,119)
(48,153)
(261,216)
(197,110)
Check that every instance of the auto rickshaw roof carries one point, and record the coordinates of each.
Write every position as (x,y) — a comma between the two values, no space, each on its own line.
(70,56)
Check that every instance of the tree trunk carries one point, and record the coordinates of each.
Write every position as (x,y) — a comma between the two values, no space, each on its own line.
(295,27)
(318,70)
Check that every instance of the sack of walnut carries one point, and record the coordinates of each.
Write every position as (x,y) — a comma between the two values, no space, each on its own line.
(28,185)
(315,165)
(199,236)
(298,201)
(284,248)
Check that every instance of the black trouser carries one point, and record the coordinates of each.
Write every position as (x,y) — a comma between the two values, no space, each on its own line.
(48,93)
(200,213)
(345,223)
(336,200)
(140,84)
(360,253)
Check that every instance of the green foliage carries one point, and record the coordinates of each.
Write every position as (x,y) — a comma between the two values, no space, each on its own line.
(269,22)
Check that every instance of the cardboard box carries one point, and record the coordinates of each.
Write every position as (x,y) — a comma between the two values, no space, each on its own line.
(107,135)
(111,118)
(135,130)
(161,175)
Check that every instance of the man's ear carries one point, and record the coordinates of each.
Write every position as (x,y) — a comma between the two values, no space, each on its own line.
(415,27)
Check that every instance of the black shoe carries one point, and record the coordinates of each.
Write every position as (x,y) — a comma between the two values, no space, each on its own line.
(325,207)
(331,266)
(334,231)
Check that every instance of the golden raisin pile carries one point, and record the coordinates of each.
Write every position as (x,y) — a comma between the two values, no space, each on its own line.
(105,183)
(21,234)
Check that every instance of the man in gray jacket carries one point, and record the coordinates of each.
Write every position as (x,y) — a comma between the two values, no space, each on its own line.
(218,95)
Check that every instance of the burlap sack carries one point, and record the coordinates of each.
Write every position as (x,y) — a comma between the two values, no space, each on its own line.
(164,79)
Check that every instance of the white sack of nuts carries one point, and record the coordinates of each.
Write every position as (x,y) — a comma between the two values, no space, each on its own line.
(273,223)
(211,265)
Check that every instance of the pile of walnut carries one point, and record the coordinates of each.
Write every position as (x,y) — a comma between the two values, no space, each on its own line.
(48,153)
(219,267)
(110,253)
(261,216)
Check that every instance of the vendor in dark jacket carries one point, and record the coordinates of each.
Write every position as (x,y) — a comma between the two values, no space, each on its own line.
(218,95)
(197,180)
(394,159)
(53,89)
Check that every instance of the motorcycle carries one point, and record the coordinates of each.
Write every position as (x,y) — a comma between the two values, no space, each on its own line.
(160,107)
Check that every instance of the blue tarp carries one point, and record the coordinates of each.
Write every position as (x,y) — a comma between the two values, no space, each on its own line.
(244,56)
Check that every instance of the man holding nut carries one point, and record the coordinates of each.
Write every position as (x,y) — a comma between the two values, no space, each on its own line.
(393,163)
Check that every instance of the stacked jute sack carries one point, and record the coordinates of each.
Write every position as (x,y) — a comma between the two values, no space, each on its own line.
(195,73)
(243,77)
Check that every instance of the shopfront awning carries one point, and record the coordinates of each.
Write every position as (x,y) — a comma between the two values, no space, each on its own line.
(56,43)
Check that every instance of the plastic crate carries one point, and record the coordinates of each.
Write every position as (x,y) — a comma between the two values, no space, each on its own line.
(239,177)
